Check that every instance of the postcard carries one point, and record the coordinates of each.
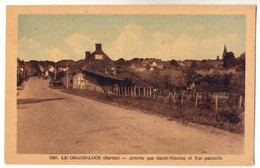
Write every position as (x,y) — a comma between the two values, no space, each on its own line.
(130,85)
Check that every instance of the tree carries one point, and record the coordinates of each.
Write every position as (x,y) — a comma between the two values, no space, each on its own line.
(191,73)
(167,83)
(237,84)
(174,63)
(156,78)
(121,61)
(241,62)
(229,60)
(226,82)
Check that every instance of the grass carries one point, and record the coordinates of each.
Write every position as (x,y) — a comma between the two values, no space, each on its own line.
(227,117)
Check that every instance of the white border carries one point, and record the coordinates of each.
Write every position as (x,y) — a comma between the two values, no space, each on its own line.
(4,3)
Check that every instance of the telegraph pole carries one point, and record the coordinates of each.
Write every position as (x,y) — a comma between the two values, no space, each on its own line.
(55,72)
(44,70)
(67,76)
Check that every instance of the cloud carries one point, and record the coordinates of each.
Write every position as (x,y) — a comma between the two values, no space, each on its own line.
(56,54)
(135,41)
(189,47)
(29,49)
(79,42)
(215,44)
(130,40)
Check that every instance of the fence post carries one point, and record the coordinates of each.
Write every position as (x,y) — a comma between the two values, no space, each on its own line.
(174,96)
(116,87)
(170,98)
(240,102)
(216,103)
(196,101)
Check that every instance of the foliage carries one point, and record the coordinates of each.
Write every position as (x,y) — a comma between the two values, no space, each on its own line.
(241,62)
(156,78)
(216,83)
(190,74)
(237,84)
(166,83)
(174,63)
(229,60)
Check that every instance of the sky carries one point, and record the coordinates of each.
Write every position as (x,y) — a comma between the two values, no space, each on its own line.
(166,37)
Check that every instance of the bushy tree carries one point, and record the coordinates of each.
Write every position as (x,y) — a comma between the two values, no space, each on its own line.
(229,60)
(241,62)
(215,83)
(191,73)
(226,82)
(167,83)
(193,65)
(174,63)
(156,78)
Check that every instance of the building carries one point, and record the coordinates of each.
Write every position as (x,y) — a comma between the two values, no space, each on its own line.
(99,61)
(79,81)
(224,52)
(117,85)
(21,74)
(51,68)
(138,67)
(97,55)
(155,65)
(64,65)
(98,72)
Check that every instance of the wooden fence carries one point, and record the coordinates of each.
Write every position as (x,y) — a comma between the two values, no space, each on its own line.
(219,99)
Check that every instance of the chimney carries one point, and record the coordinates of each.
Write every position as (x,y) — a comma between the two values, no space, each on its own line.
(98,46)
(87,54)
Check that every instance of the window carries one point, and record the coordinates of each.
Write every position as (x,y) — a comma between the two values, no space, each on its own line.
(98,56)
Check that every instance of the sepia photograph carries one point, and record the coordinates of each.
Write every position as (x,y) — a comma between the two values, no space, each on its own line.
(133,84)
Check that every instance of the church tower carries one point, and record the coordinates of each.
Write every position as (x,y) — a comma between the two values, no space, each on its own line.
(224,52)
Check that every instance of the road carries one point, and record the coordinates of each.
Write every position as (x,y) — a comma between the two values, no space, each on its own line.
(53,122)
